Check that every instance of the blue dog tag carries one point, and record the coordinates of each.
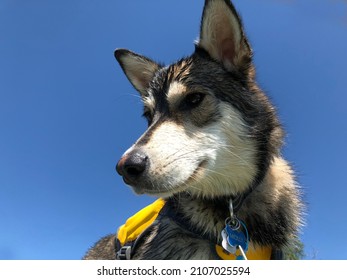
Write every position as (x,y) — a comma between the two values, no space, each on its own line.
(237,236)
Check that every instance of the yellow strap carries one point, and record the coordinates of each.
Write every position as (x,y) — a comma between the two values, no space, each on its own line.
(260,253)
(139,222)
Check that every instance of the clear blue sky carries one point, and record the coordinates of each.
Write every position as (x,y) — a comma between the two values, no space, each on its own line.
(67,112)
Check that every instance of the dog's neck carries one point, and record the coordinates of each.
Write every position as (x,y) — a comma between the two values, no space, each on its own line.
(203,217)
(261,208)
(206,217)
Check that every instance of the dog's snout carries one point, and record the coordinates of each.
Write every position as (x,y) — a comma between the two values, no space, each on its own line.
(132,166)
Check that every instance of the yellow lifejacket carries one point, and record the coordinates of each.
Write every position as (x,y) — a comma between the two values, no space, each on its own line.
(138,223)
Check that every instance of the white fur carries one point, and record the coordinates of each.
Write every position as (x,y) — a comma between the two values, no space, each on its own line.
(176,153)
(232,167)
(149,101)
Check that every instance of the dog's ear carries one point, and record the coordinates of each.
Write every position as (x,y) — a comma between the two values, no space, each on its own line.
(139,69)
(222,35)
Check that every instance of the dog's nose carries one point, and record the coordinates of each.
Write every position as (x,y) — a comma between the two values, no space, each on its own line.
(132,166)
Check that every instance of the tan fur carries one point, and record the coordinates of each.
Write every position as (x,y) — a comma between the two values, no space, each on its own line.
(175,94)
(216,36)
(140,79)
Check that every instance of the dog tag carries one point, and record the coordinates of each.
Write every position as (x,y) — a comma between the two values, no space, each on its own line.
(225,244)
(236,237)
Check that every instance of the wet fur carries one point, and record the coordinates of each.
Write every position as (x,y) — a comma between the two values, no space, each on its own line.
(201,157)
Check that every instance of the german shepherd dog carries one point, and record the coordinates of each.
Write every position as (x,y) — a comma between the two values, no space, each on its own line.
(212,147)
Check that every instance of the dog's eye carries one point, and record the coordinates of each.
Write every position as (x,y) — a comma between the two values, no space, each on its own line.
(148,116)
(193,100)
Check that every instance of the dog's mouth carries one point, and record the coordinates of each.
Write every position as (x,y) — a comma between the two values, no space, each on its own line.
(166,190)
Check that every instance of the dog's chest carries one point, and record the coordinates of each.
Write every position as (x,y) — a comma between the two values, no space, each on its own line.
(167,240)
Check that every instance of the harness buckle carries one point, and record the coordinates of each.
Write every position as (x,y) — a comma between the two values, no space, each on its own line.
(124,253)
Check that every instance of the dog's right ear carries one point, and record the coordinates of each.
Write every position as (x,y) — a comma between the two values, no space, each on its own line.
(138,69)
(222,35)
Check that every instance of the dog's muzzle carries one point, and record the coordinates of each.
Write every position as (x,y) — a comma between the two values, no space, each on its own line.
(132,166)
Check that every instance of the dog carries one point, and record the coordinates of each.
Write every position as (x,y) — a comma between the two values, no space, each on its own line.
(212,152)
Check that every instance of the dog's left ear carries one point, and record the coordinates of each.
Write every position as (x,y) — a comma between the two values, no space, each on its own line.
(222,35)
(139,70)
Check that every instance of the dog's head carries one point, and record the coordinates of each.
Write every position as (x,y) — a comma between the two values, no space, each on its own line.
(211,131)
